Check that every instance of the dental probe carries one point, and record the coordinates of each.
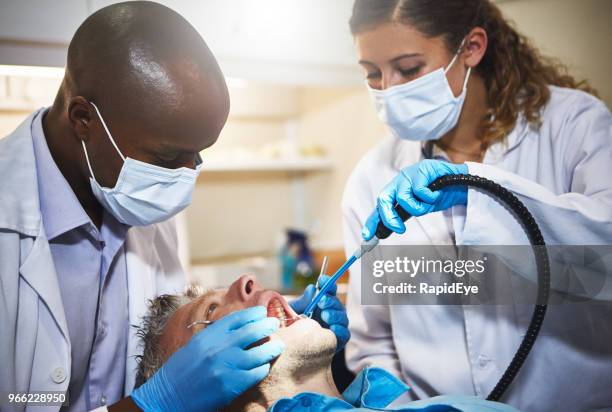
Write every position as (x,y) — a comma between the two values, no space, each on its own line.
(321,272)
(323,267)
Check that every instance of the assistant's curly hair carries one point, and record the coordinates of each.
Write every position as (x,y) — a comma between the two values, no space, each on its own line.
(516,75)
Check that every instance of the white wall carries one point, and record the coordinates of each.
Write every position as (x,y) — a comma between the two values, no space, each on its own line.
(245,213)
(343,121)
(228,206)
(579,32)
(20,95)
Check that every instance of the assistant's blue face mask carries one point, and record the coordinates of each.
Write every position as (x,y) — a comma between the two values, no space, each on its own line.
(144,193)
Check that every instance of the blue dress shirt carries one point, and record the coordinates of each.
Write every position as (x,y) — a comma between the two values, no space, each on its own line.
(91,270)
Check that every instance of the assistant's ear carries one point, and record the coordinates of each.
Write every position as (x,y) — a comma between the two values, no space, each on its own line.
(475,46)
(80,116)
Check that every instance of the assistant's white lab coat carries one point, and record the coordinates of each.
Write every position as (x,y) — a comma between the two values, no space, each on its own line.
(563,174)
(34,341)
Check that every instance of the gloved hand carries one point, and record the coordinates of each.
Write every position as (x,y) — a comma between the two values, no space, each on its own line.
(331,313)
(410,190)
(215,366)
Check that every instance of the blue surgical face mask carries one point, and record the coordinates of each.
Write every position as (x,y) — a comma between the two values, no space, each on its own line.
(144,193)
(422,109)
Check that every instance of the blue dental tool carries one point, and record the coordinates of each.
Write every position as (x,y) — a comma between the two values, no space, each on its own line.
(382,232)
(364,248)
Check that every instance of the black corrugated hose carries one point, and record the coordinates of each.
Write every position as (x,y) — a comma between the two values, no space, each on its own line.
(525,218)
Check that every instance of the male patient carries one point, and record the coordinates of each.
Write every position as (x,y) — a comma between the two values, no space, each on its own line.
(300,378)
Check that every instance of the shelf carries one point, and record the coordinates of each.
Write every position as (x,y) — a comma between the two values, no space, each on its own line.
(295,165)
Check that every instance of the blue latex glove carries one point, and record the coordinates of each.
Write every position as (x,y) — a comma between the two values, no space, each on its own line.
(410,189)
(215,366)
(330,314)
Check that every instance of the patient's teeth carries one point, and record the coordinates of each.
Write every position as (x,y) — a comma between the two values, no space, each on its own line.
(276,309)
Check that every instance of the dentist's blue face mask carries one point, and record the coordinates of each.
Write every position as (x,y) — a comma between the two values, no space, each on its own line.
(421,109)
(144,193)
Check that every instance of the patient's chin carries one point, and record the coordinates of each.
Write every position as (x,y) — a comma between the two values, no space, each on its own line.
(308,352)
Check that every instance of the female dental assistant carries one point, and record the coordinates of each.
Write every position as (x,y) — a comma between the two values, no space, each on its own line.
(463,92)
(87,191)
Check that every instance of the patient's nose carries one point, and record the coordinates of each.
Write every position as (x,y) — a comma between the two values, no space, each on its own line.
(245,287)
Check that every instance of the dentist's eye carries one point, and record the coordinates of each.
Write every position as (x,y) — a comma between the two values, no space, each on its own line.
(167,157)
(374,75)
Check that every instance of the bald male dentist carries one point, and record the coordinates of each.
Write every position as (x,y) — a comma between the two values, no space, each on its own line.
(87,190)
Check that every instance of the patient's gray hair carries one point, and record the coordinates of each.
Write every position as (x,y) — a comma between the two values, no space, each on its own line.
(150,331)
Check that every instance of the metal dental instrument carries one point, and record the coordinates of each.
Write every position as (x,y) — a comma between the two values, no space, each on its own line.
(317,285)
(200,322)
(322,272)
(323,267)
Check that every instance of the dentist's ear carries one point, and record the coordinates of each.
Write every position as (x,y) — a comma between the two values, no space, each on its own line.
(80,114)
(475,47)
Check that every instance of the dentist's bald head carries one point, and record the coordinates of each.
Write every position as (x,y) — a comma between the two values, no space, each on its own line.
(146,59)
(156,83)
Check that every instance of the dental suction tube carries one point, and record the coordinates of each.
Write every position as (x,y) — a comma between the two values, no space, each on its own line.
(525,218)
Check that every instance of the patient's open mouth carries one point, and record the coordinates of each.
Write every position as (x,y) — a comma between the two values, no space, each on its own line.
(277,310)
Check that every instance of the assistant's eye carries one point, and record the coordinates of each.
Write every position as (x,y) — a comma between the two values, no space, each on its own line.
(411,72)
(210,310)
(373,75)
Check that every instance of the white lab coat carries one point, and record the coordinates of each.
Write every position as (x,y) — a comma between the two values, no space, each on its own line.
(34,343)
(562,172)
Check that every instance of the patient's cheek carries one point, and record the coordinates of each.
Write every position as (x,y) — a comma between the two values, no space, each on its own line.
(176,334)
(171,342)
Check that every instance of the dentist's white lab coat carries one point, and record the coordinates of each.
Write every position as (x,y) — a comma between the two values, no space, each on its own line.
(563,174)
(34,343)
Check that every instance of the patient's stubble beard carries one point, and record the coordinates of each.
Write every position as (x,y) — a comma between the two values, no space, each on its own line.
(304,366)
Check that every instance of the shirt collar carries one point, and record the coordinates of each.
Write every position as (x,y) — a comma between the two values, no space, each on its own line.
(372,388)
(59,206)
(431,151)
